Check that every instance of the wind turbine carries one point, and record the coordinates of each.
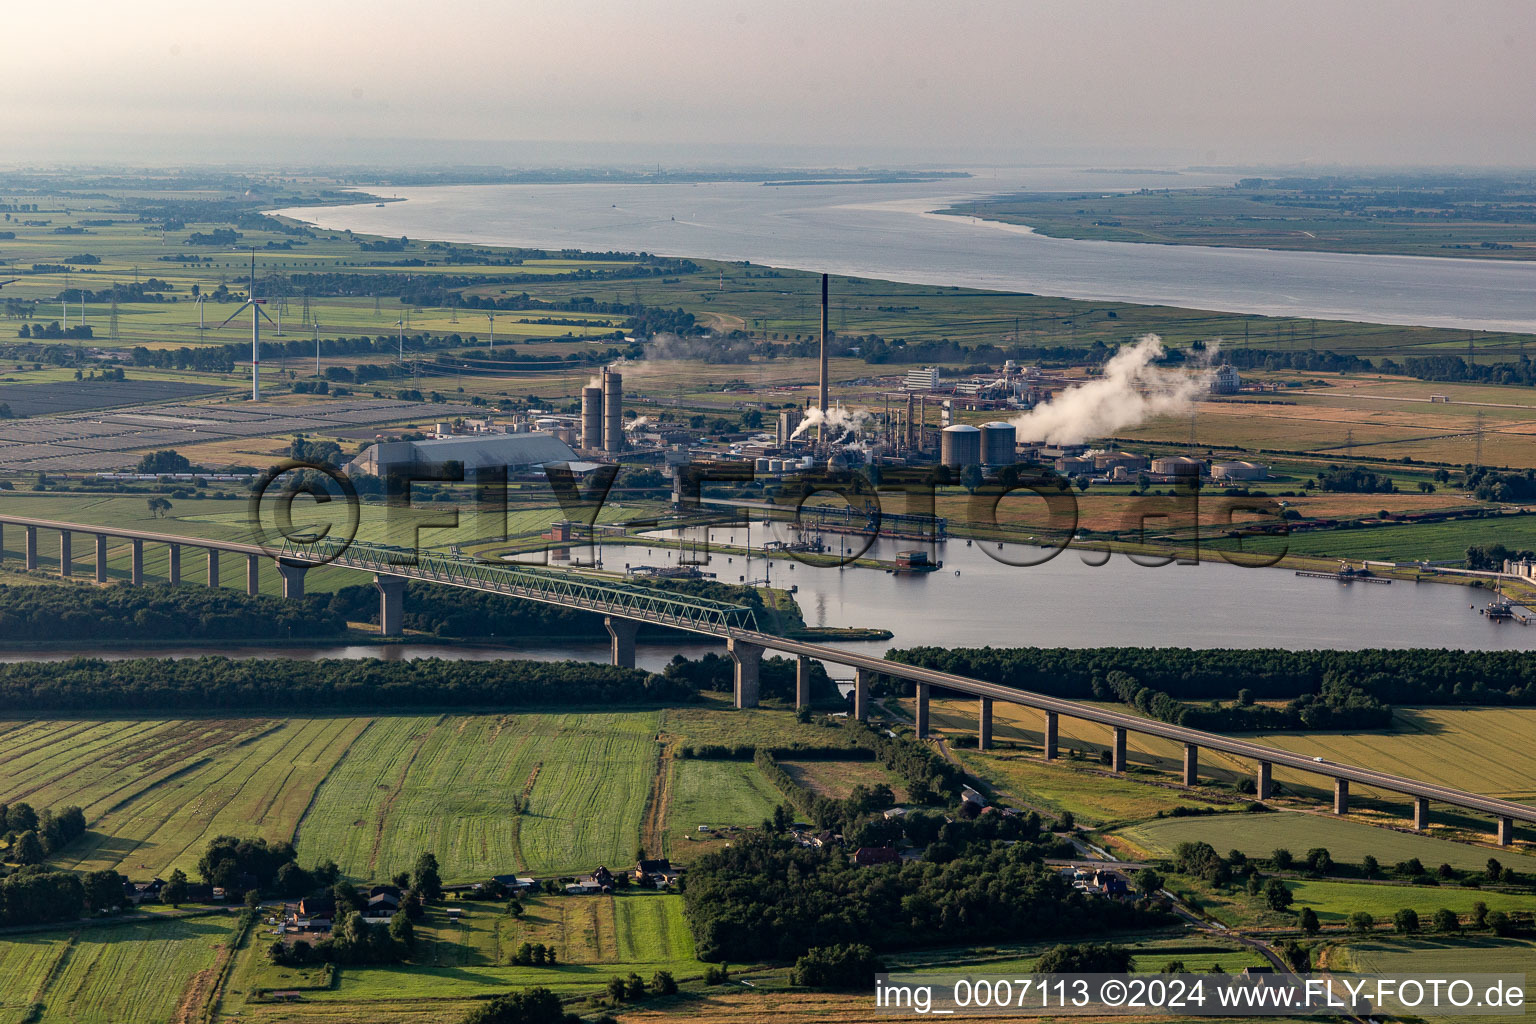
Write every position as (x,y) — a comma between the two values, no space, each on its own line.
(257,313)
(200,324)
(492,318)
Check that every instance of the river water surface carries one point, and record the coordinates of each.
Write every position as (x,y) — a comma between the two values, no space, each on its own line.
(976,600)
(886,231)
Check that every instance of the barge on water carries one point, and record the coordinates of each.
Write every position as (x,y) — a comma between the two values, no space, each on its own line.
(910,562)
(1346,573)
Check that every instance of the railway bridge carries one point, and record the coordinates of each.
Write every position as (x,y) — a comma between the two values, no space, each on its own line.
(625,606)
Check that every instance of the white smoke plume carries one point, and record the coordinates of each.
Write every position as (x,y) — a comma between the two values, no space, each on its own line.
(840,422)
(1131,391)
(638,423)
(711,348)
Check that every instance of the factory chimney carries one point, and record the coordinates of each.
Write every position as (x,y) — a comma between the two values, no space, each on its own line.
(613,411)
(821,394)
(592,417)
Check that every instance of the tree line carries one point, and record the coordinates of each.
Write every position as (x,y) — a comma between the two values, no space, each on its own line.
(1416,676)
(219,683)
(161,612)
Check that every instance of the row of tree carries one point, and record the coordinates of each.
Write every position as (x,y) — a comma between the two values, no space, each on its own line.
(161,612)
(1415,676)
(218,683)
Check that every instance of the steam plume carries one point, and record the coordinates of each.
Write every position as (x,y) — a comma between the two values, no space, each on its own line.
(1131,391)
(840,421)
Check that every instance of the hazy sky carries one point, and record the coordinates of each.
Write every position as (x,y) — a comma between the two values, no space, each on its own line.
(529,81)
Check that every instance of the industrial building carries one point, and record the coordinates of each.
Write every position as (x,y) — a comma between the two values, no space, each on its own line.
(1074,465)
(788,422)
(960,445)
(1227,380)
(925,379)
(1239,471)
(514,452)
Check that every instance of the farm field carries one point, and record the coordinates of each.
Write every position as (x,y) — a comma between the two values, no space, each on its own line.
(1482,750)
(721,724)
(1335,901)
(1348,841)
(1025,727)
(155,792)
(447,783)
(836,779)
(597,937)
(370,793)
(130,973)
(716,794)
(1093,797)
(1468,954)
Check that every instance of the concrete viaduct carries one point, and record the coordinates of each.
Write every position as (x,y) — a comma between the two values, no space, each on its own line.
(626,606)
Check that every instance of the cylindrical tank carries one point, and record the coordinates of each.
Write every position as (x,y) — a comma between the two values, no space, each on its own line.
(960,445)
(762,465)
(592,417)
(998,441)
(613,412)
(775,465)
(807,462)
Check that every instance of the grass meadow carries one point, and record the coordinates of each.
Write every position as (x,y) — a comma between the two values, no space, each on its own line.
(1348,841)
(130,973)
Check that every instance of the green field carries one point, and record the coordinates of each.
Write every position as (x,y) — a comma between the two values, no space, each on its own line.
(1348,841)
(447,784)
(1428,956)
(1093,797)
(132,973)
(155,792)
(715,793)
(1482,750)
(369,793)
(597,937)
(1335,901)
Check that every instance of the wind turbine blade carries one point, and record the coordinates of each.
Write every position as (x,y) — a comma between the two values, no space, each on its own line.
(264,313)
(233,315)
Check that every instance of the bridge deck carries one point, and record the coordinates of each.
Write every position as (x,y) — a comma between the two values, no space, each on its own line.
(728,621)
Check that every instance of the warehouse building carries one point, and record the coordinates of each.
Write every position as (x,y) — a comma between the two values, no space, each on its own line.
(517,453)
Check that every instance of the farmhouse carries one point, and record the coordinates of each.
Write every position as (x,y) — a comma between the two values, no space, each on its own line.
(655,870)
(868,856)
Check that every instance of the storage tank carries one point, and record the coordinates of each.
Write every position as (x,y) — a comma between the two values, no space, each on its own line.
(762,465)
(1178,466)
(592,417)
(998,443)
(775,465)
(613,412)
(960,445)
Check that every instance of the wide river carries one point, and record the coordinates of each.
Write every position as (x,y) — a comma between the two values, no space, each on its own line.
(887,231)
(977,600)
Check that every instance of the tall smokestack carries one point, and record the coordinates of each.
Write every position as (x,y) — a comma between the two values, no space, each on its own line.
(613,412)
(821,394)
(592,417)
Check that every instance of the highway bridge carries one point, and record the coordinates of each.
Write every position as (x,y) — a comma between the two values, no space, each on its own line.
(624,606)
